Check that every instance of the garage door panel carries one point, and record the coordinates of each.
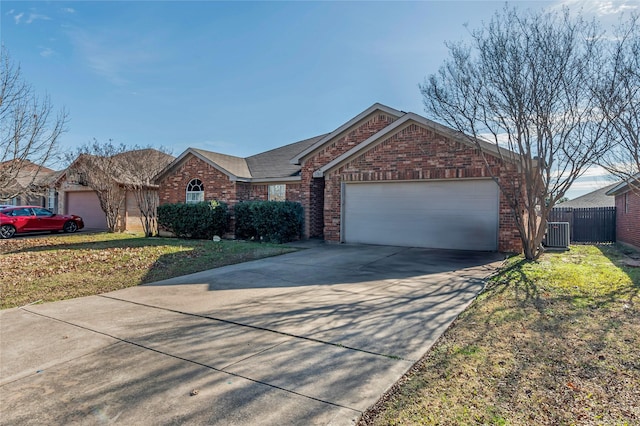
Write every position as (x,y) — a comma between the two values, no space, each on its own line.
(454,215)
(86,205)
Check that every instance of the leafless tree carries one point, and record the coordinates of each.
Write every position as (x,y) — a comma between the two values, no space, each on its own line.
(99,166)
(523,84)
(29,131)
(619,96)
(142,165)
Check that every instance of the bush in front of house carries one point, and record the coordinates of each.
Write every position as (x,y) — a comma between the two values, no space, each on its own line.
(270,221)
(195,220)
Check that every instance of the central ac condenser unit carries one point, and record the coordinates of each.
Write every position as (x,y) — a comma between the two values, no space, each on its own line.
(557,235)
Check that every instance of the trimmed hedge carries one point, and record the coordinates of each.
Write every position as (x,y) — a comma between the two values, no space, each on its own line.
(270,221)
(195,220)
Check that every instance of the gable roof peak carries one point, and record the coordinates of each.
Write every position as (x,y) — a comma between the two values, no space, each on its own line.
(375,107)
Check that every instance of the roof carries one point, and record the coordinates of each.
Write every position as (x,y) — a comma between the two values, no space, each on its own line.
(625,186)
(28,174)
(276,162)
(123,173)
(269,165)
(597,198)
(284,163)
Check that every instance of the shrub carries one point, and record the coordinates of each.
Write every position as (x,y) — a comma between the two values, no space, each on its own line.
(270,221)
(197,220)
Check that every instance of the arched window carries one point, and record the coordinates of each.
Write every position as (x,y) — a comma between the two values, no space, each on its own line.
(195,191)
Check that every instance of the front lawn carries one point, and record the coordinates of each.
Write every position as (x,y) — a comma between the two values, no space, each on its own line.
(49,268)
(550,342)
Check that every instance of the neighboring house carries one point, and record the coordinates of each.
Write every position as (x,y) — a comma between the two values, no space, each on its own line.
(597,198)
(76,197)
(627,200)
(384,177)
(38,192)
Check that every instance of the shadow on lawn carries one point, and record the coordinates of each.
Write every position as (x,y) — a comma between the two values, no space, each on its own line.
(94,245)
(549,354)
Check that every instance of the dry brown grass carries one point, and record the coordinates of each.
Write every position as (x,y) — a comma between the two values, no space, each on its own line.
(49,268)
(549,342)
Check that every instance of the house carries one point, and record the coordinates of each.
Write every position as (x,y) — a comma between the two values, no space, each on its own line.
(597,198)
(75,196)
(32,184)
(627,200)
(383,177)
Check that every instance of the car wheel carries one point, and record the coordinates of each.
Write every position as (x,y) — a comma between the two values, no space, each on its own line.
(70,226)
(7,231)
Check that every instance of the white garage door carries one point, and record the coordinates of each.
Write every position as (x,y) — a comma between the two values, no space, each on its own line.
(86,205)
(459,215)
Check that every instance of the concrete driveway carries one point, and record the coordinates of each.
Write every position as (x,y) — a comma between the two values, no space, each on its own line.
(312,337)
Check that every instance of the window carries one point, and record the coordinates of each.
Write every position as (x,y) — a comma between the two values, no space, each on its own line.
(51,199)
(277,192)
(195,191)
(626,202)
(40,212)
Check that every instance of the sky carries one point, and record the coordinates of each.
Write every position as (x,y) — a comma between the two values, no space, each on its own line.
(241,78)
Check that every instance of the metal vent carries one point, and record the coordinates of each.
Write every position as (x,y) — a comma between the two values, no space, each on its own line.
(557,235)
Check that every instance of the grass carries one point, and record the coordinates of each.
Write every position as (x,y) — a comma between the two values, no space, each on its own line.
(50,268)
(550,342)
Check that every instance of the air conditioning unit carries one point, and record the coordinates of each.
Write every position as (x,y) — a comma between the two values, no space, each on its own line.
(557,235)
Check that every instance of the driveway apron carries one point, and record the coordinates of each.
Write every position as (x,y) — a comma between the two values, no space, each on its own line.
(311,337)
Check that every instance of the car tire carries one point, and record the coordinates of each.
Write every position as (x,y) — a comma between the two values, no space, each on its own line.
(70,227)
(7,231)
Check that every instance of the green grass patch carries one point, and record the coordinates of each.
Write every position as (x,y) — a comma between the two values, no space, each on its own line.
(50,268)
(548,342)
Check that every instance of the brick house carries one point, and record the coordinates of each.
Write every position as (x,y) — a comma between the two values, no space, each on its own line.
(75,196)
(383,177)
(627,198)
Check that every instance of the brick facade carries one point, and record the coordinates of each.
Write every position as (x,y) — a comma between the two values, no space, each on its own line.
(628,218)
(415,153)
(314,191)
(217,185)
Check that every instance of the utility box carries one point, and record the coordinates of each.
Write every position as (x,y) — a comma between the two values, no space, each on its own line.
(557,235)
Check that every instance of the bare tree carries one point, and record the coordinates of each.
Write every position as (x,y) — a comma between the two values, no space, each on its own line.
(99,166)
(142,165)
(29,131)
(619,96)
(523,84)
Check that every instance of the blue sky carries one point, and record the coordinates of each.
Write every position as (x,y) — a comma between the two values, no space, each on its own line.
(239,77)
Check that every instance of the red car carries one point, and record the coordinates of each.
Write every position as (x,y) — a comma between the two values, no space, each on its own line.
(19,219)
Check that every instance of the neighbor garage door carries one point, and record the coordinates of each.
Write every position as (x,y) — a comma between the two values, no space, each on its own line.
(444,214)
(86,205)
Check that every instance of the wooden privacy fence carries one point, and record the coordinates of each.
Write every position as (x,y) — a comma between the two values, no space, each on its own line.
(587,225)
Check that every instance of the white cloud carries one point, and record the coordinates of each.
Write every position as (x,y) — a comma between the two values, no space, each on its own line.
(18,17)
(45,52)
(35,17)
(68,10)
(598,7)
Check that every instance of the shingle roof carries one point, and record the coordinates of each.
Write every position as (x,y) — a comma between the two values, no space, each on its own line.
(237,166)
(597,198)
(276,162)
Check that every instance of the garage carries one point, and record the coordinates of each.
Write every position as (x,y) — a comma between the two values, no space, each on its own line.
(461,214)
(86,205)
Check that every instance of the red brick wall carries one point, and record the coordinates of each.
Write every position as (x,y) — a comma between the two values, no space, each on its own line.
(311,193)
(217,185)
(416,153)
(628,218)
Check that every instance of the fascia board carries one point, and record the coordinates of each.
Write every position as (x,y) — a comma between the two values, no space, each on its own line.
(623,186)
(276,180)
